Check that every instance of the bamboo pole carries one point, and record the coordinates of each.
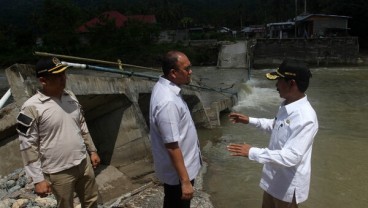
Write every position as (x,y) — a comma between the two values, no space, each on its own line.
(118,63)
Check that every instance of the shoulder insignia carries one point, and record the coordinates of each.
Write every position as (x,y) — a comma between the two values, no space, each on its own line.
(24,122)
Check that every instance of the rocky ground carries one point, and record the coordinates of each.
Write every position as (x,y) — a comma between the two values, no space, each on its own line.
(151,196)
(16,191)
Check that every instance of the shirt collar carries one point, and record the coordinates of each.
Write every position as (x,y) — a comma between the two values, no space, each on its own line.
(171,85)
(44,97)
(295,105)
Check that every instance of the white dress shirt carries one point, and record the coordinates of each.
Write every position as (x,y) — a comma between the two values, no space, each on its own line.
(287,160)
(170,121)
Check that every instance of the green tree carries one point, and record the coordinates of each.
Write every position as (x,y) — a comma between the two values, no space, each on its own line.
(57,21)
(169,13)
(6,44)
(186,21)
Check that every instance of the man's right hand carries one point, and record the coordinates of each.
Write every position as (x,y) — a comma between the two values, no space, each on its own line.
(187,190)
(43,188)
(238,118)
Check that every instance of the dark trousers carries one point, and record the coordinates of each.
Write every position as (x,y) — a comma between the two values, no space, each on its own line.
(271,202)
(172,197)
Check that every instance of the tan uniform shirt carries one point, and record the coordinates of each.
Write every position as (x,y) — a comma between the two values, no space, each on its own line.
(53,134)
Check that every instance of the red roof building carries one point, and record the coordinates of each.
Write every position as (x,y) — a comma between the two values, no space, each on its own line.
(117,17)
(144,18)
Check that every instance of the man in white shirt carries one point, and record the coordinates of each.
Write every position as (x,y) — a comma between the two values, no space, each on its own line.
(287,160)
(174,139)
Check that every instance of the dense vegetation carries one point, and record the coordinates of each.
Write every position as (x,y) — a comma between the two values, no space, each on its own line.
(22,22)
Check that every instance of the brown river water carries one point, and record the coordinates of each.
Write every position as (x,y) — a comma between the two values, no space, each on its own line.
(339,162)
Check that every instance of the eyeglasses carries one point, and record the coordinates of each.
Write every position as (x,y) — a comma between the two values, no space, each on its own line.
(187,69)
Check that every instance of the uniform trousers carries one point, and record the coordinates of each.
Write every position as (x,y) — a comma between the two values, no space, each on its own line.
(79,179)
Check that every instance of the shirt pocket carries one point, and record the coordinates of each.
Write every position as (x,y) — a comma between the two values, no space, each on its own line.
(282,132)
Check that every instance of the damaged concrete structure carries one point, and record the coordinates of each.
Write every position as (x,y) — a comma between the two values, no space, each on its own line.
(116,110)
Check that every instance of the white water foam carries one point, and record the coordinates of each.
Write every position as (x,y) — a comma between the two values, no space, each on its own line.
(254,95)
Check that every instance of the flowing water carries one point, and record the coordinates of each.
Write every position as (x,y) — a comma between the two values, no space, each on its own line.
(340,151)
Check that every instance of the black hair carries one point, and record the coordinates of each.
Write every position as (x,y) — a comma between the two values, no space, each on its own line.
(301,84)
(169,61)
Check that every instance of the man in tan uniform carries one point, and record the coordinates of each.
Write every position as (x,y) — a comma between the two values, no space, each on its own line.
(55,144)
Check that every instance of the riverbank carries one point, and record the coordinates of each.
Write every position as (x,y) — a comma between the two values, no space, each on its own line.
(16,191)
(128,183)
(151,195)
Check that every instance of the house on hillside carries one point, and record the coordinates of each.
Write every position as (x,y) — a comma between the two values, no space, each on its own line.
(321,25)
(281,30)
(254,31)
(118,18)
(310,26)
